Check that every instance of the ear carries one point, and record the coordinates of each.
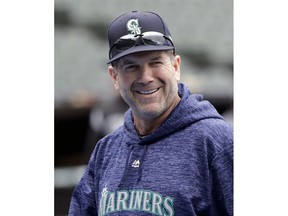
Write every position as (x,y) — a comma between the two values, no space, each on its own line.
(114,75)
(176,65)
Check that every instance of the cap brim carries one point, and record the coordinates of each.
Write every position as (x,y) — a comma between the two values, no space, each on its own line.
(142,48)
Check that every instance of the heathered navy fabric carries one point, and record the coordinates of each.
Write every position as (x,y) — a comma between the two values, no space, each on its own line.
(184,168)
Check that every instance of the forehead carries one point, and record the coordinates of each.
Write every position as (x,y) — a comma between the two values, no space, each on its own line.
(143,56)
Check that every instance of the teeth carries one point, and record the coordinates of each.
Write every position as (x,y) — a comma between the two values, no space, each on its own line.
(148,92)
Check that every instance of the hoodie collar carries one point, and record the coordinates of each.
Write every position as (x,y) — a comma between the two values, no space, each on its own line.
(191,109)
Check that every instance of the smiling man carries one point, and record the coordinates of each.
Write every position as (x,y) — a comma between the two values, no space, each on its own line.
(148,82)
(174,153)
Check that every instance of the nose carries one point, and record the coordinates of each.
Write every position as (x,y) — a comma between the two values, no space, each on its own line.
(145,75)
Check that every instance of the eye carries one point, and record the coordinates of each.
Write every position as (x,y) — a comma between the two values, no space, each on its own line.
(130,68)
(156,63)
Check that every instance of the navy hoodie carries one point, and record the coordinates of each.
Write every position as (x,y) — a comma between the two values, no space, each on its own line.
(185,167)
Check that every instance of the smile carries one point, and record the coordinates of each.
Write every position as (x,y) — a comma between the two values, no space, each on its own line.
(147,92)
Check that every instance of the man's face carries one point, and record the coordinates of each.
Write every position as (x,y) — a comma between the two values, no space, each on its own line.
(147,81)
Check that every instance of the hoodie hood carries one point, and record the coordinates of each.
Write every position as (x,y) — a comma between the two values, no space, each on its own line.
(191,109)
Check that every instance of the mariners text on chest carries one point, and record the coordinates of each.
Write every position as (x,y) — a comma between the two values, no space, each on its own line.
(135,200)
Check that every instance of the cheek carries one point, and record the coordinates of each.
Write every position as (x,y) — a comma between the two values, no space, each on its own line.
(172,76)
(126,80)
(175,74)
(123,84)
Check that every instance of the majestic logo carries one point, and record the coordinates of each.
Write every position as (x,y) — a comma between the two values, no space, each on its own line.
(133,27)
(136,164)
(135,200)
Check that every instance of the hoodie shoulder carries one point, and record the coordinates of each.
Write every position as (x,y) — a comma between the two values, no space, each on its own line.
(218,130)
(201,116)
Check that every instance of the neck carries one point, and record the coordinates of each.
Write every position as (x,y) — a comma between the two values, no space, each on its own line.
(147,126)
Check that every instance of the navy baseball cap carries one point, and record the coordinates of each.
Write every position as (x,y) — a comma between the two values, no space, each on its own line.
(137,32)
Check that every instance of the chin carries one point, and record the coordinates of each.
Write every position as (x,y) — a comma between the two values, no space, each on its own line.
(149,113)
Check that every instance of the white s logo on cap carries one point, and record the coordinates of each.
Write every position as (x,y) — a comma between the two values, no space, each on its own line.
(133,27)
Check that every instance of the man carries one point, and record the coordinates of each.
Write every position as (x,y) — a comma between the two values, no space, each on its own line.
(174,153)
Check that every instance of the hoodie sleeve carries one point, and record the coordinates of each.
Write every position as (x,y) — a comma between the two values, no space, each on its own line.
(83,198)
(222,183)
